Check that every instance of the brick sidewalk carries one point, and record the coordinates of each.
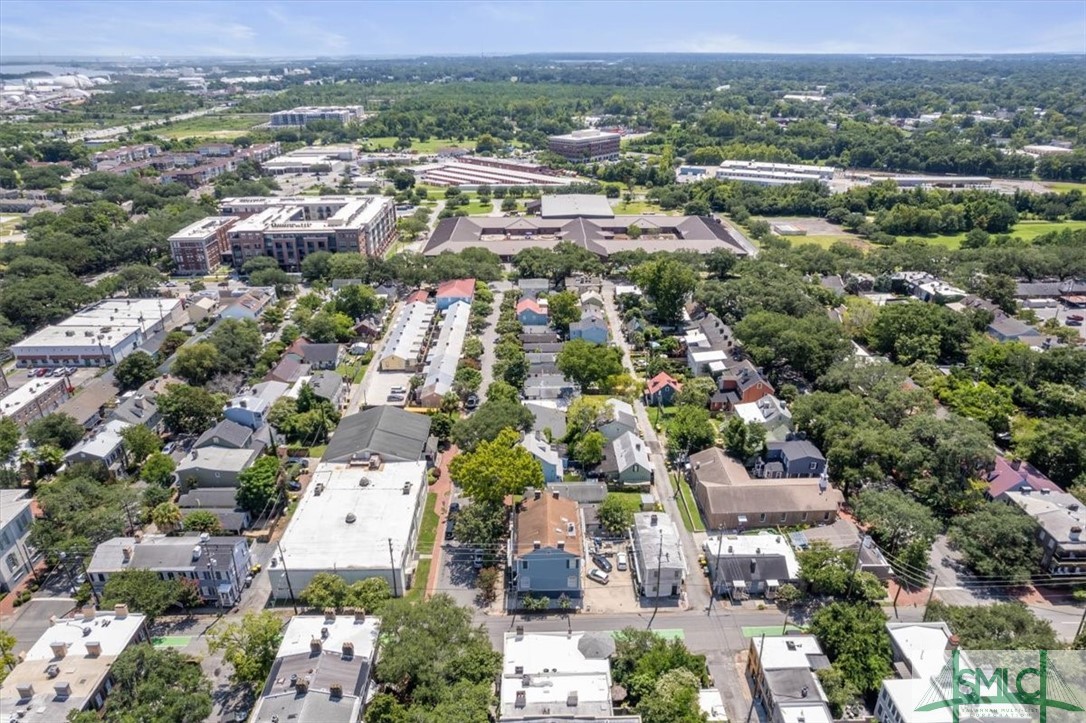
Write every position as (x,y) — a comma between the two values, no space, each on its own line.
(443,489)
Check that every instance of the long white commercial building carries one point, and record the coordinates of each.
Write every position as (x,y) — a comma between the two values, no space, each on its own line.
(100,335)
(407,339)
(444,355)
(759,172)
(357,520)
(469,174)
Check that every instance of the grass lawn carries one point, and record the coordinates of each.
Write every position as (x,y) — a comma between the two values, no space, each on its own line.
(352,372)
(659,415)
(634,208)
(421,578)
(318,451)
(430,146)
(1064,186)
(212,126)
(825,242)
(630,500)
(688,508)
(430,522)
(1025,230)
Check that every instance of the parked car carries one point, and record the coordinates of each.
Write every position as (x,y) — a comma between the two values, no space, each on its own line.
(622,562)
(294,485)
(32,372)
(472,402)
(602,562)
(454,507)
(477,561)
(41,372)
(395,398)
(450,528)
(599,576)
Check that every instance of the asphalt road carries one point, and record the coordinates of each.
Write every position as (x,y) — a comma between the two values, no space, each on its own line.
(697,589)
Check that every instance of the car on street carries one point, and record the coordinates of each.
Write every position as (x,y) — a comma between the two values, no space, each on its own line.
(472,402)
(602,562)
(450,528)
(294,485)
(41,372)
(477,561)
(454,507)
(395,398)
(622,563)
(599,576)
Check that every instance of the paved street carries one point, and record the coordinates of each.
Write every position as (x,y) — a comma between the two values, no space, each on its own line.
(697,589)
(489,337)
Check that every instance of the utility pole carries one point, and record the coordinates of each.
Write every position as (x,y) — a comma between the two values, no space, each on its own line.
(931,593)
(757,683)
(392,568)
(86,576)
(856,567)
(659,565)
(286,577)
(714,572)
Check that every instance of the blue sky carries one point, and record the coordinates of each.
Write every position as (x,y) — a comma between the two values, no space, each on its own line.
(303,28)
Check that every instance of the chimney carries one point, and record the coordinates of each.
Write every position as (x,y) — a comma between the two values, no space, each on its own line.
(1076,533)
(52,620)
(302,686)
(94,648)
(126,554)
(329,616)
(537,495)
(520,631)
(336,690)
(953,642)
(138,537)
(803,693)
(120,611)
(26,691)
(348,649)
(59,649)
(554,494)
(315,645)
(654,519)
(561,544)
(536,544)
(359,616)
(88,613)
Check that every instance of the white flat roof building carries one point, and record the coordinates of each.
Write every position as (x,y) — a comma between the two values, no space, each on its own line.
(35,399)
(444,354)
(566,674)
(407,337)
(99,335)
(920,652)
(658,554)
(68,668)
(783,670)
(356,522)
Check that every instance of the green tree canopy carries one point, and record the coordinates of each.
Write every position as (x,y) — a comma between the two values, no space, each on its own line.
(998,541)
(55,430)
(189,410)
(854,636)
(140,442)
(614,515)
(250,645)
(996,626)
(589,364)
(492,416)
(142,590)
(151,684)
(135,370)
(258,485)
(496,468)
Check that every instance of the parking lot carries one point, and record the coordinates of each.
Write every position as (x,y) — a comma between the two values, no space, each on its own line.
(377,387)
(18,377)
(618,595)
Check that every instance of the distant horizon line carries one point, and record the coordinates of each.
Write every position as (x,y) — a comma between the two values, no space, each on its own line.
(41,58)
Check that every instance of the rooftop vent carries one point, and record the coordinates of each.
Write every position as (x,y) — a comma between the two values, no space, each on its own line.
(336,690)
(348,649)
(571,699)
(315,645)
(26,691)
(521,702)
(60,649)
(351,517)
(52,671)
(94,648)
(63,690)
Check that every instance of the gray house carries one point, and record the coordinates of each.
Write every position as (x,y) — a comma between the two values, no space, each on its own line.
(231,435)
(545,551)
(548,386)
(791,458)
(620,420)
(391,433)
(137,408)
(213,467)
(547,455)
(592,327)
(626,460)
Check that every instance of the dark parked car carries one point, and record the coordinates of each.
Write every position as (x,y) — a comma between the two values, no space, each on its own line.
(450,528)
(294,485)
(602,563)
(454,507)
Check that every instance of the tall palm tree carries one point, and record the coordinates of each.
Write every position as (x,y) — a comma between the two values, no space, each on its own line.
(166,516)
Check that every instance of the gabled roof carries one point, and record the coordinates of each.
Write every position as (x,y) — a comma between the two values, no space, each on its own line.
(530,305)
(457,288)
(546,520)
(1009,475)
(661,380)
(795,449)
(391,432)
(290,369)
(624,452)
(226,433)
